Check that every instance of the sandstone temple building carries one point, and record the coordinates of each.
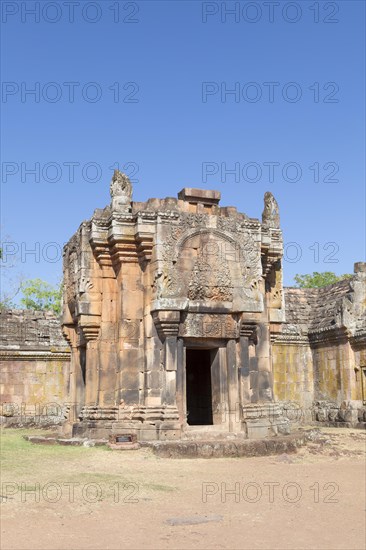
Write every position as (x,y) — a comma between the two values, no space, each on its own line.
(176,322)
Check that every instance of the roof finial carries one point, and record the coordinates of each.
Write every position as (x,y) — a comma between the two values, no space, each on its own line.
(271,214)
(121,191)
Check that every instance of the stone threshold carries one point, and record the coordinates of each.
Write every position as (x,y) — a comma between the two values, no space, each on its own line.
(204,448)
(228,449)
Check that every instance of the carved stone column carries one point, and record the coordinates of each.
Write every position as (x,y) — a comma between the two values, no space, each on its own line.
(107,342)
(264,381)
(171,363)
(244,377)
(181,383)
(253,372)
(92,366)
(131,348)
(233,383)
(249,363)
(168,325)
(76,381)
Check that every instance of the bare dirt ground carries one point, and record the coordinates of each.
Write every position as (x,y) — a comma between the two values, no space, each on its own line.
(91,498)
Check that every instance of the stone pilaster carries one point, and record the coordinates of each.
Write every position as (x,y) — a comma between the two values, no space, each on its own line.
(233,389)
(264,380)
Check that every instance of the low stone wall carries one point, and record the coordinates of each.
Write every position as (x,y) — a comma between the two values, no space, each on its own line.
(319,356)
(227,449)
(34,369)
(347,414)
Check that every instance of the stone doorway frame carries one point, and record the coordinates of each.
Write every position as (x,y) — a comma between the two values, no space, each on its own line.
(196,389)
(219,380)
(363,383)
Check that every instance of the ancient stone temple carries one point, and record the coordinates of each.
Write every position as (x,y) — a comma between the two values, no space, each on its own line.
(169,307)
(179,326)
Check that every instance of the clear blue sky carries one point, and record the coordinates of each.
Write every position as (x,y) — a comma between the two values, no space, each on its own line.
(172,129)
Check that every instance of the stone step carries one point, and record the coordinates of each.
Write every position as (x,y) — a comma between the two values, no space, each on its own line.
(226,449)
(212,435)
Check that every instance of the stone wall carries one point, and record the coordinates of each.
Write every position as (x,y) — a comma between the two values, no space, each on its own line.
(319,357)
(293,375)
(34,368)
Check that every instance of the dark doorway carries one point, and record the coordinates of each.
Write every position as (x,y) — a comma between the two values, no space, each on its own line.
(199,395)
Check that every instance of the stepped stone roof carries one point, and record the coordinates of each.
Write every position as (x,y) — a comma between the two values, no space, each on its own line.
(340,305)
(30,330)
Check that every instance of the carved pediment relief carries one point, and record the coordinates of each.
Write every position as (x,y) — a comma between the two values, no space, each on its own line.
(210,277)
(207,265)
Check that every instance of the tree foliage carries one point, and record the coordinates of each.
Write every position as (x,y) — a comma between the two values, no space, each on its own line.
(318,280)
(40,295)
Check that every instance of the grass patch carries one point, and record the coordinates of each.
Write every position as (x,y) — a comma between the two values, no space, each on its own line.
(30,463)
(19,457)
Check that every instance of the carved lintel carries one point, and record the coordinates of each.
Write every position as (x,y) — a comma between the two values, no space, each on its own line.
(102,254)
(89,326)
(124,250)
(144,244)
(144,234)
(270,261)
(209,325)
(249,330)
(167,323)
(68,332)
(90,332)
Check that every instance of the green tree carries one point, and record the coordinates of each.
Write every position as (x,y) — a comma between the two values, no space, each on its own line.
(39,295)
(318,280)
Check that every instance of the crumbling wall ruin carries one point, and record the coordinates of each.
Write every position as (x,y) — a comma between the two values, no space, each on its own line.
(34,368)
(319,356)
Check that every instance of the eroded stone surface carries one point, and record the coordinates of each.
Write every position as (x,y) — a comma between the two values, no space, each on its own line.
(146,283)
(319,356)
(34,369)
